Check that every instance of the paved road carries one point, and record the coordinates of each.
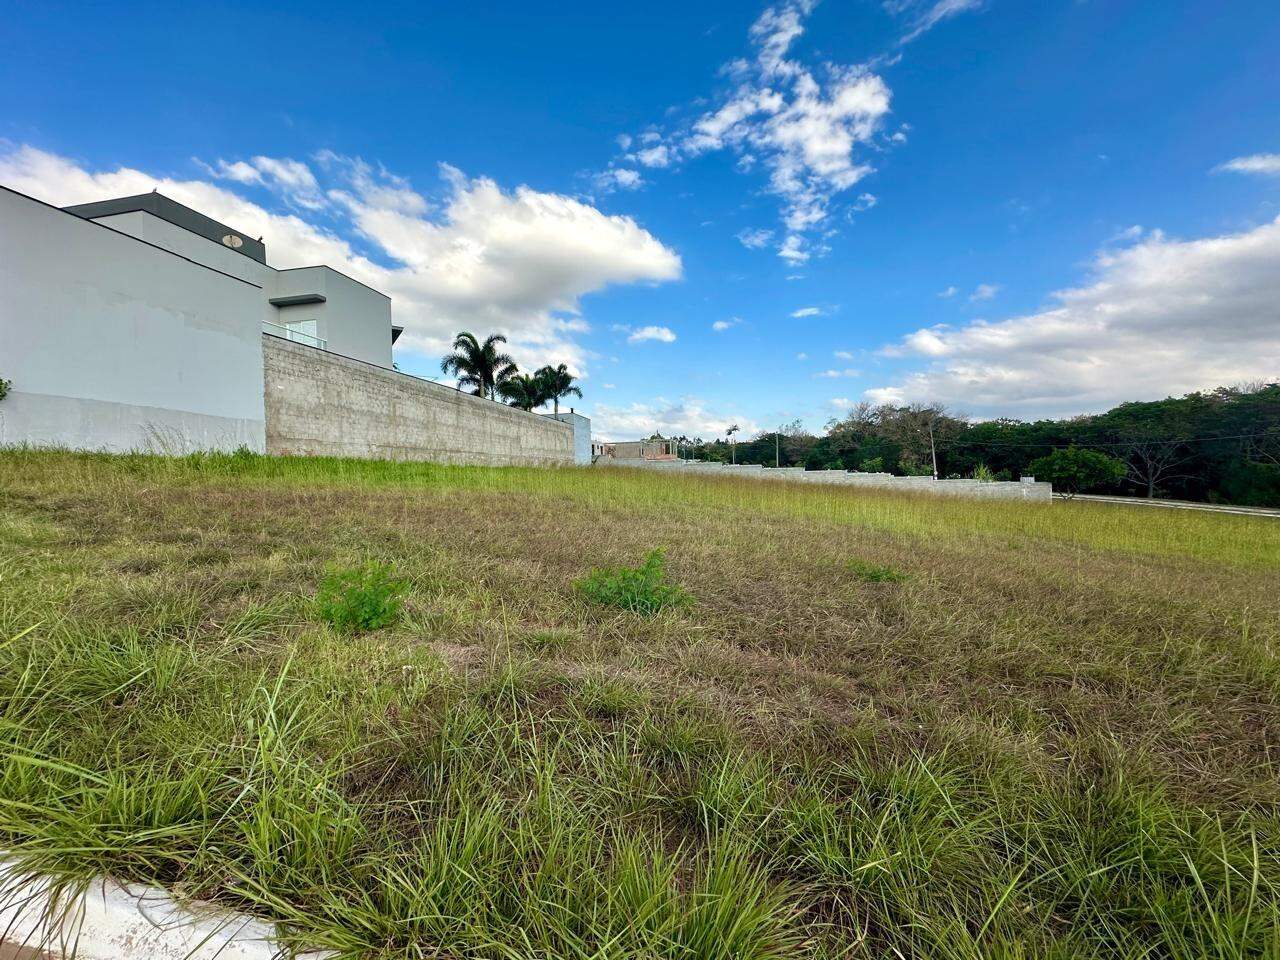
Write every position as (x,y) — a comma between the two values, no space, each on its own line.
(1173,505)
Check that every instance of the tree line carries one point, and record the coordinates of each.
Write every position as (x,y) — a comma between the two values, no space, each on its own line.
(1220,446)
(487,371)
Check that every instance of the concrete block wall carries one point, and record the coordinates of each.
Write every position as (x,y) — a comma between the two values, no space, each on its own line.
(321,404)
(997,490)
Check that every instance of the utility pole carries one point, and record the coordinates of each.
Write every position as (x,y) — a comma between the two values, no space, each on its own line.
(933,451)
(777,461)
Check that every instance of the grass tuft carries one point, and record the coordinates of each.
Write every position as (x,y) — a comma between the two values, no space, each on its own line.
(360,599)
(875,573)
(641,589)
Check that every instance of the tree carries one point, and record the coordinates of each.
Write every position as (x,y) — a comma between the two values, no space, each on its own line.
(1074,470)
(4,387)
(557,382)
(733,455)
(480,366)
(523,391)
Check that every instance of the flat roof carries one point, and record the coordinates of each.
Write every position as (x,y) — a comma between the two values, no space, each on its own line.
(158,205)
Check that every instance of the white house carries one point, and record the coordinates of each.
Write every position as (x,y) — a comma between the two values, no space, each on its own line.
(137,323)
(141,324)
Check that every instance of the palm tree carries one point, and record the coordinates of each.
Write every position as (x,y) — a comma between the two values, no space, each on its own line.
(479,366)
(523,391)
(557,382)
(733,451)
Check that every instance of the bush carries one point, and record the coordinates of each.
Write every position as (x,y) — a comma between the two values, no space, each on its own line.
(360,599)
(983,474)
(1076,470)
(874,572)
(872,465)
(639,589)
(4,387)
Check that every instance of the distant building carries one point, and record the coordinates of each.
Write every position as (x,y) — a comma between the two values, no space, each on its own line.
(638,450)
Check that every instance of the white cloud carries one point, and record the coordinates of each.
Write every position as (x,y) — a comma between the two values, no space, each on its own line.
(659,156)
(659,334)
(754,239)
(490,260)
(623,141)
(806,312)
(688,416)
(1156,318)
(722,325)
(802,356)
(937,11)
(291,178)
(618,178)
(1266,164)
(984,291)
(837,374)
(809,128)
(843,355)
(948,293)
(608,386)
(841,403)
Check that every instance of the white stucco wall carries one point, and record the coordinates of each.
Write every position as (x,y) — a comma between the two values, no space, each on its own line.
(355,320)
(581,434)
(115,344)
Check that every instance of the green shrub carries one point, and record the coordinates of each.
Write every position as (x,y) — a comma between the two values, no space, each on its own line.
(874,572)
(362,598)
(872,465)
(639,589)
(983,474)
(4,387)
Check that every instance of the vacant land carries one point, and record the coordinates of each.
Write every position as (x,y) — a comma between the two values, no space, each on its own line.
(866,726)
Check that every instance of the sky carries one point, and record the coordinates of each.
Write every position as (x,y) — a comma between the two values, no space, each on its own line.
(717,213)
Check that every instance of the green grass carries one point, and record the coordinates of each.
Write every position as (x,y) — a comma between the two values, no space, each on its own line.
(1056,738)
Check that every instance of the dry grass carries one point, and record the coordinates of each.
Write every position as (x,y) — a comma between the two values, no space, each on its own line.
(1054,734)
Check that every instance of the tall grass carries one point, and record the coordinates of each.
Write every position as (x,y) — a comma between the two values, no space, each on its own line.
(1066,757)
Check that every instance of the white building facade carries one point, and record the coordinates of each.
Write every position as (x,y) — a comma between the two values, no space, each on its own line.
(137,324)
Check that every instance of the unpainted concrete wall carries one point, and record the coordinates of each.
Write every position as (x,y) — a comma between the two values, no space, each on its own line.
(113,344)
(998,490)
(321,404)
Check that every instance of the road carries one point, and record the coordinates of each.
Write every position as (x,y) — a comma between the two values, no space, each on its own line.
(1173,505)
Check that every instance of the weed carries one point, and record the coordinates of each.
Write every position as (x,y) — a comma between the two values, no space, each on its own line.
(639,589)
(361,598)
(875,573)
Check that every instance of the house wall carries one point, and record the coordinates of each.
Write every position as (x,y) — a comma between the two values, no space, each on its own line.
(354,319)
(322,404)
(581,434)
(119,345)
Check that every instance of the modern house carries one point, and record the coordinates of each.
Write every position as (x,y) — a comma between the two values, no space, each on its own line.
(139,323)
(314,305)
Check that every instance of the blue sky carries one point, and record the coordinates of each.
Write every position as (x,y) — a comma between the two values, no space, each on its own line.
(718,212)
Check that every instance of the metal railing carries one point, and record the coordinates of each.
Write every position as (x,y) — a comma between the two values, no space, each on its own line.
(297,336)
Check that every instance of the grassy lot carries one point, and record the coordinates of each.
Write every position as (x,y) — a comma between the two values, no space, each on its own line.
(867,725)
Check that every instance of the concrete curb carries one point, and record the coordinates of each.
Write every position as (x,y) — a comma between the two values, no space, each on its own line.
(112,921)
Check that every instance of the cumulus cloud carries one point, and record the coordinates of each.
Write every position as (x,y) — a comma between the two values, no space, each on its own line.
(1265,164)
(657,334)
(948,293)
(1159,317)
(618,178)
(688,416)
(984,291)
(806,312)
(720,326)
(810,128)
(481,258)
(837,374)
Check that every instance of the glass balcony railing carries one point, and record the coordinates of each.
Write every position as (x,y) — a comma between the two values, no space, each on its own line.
(297,336)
